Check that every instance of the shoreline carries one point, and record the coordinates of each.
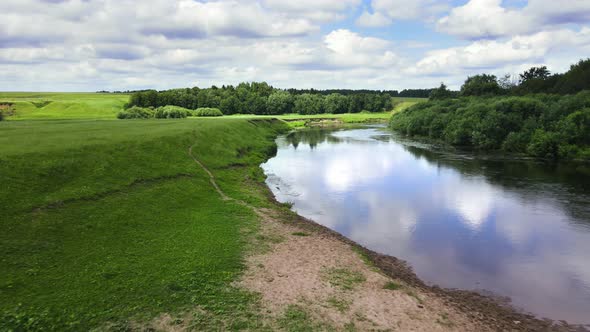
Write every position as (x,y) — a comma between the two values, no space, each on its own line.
(487,309)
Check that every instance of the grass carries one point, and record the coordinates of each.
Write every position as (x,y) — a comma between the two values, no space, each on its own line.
(36,105)
(390,285)
(300,234)
(60,106)
(296,319)
(107,223)
(343,278)
(339,304)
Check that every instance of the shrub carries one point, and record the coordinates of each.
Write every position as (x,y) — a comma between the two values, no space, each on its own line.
(207,111)
(1,116)
(172,112)
(544,145)
(136,113)
(544,126)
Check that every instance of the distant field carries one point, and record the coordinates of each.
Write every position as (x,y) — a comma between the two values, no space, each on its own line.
(61,106)
(49,105)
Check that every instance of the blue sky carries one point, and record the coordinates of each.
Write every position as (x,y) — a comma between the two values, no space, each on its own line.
(88,45)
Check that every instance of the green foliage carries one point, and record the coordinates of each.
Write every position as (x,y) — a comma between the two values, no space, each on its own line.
(280,102)
(172,112)
(441,92)
(308,104)
(207,111)
(535,73)
(335,104)
(136,113)
(543,126)
(481,85)
(263,99)
(575,80)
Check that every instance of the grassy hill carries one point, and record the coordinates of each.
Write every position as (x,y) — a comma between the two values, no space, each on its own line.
(111,222)
(33,105)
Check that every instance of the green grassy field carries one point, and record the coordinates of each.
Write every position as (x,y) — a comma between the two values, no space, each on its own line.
(109,223)
(106,223)
(59,106)
(47,105)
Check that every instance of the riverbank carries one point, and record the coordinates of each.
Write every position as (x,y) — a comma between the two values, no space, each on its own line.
(168,225)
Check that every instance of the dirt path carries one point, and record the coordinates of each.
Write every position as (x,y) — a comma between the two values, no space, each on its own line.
(311,278)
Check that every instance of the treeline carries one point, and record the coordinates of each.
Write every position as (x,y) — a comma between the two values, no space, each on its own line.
(533,81)
(552,122)
(406,93)
(261,98)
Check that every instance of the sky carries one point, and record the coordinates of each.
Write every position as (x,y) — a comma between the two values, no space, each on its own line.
(90,45)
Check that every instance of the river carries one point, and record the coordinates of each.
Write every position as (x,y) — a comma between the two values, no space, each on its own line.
(516,228)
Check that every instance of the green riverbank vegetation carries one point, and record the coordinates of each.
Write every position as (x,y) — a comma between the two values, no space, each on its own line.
(108,224)
(543,116)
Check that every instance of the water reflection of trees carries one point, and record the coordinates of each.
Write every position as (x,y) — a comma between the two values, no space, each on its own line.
(312,137)
(568,184)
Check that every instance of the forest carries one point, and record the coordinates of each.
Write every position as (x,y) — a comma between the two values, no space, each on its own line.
(542,115)
(261,98)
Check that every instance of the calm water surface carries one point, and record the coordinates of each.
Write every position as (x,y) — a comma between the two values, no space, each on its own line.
(516,228)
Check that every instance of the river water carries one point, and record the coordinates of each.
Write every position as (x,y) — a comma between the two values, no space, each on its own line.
(516,228)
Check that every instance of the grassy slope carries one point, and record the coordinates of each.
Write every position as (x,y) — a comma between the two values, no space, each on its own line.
(106,221)
(110,221)
(30,105)
(46,105)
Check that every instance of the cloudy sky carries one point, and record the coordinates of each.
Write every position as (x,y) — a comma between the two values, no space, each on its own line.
(88,45)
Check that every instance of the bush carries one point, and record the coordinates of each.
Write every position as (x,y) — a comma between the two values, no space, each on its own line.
(543,126)
(172,112)
(1,116)
(207,111)
(544,145)
(136,113)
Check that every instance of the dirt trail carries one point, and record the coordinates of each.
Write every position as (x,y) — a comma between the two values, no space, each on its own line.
(343,286)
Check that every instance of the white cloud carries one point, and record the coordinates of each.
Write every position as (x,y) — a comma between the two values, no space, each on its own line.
(494,54)
(126,44)
(489,19)
(402,10)
(315,10)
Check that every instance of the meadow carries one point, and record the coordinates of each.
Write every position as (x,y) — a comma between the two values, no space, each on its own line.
(62,106)
(109,223)
(48,105)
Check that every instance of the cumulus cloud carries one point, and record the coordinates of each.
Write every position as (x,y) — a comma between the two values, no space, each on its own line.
(487,54)
(387,11)
(315,10)
(125,44)
(479,19)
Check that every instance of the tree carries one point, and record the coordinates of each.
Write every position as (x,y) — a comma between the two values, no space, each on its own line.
(308,104)
(441,93)
(535,73)
(279,102)
(230,104)
(575,80)
(336,103)
(506,82)
(480,85)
